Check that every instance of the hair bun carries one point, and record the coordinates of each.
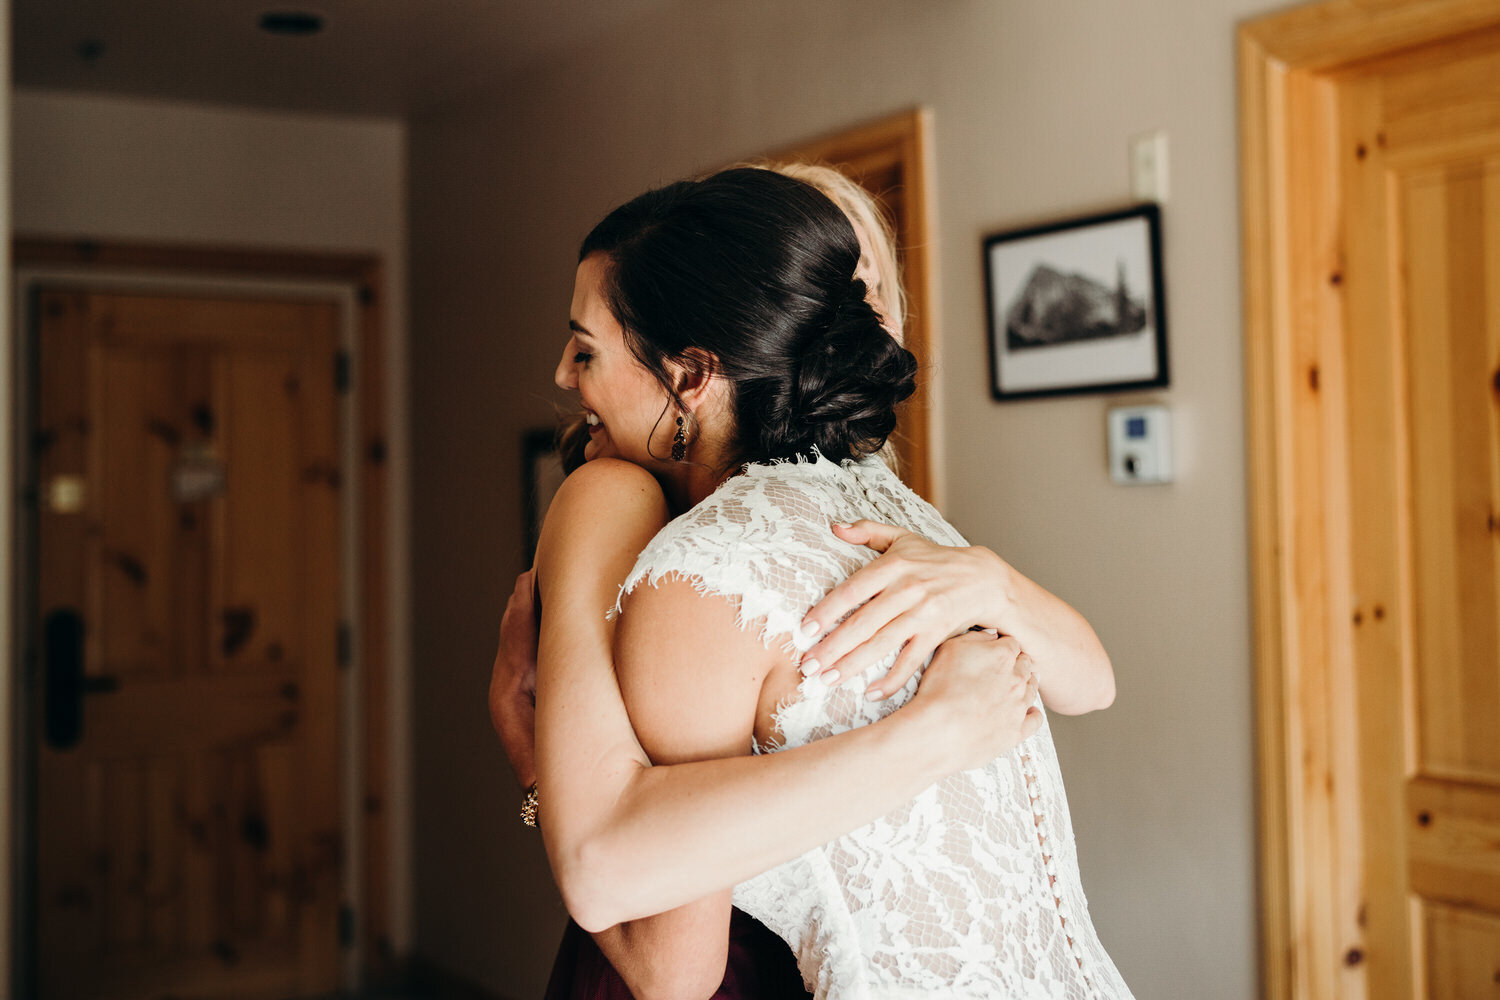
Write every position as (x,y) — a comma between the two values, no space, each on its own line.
(844,388)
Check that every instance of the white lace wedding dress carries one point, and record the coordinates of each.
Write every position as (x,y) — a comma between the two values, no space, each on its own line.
(971,889)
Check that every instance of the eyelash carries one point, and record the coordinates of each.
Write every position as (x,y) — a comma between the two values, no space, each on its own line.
(582,357)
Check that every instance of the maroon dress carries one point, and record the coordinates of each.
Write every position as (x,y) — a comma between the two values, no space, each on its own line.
(760,967)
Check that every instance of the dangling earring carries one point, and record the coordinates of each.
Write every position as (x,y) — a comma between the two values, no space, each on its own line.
(679,443)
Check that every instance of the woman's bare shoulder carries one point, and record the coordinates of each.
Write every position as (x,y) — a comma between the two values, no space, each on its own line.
(604,481)
(605,497)
(609,473)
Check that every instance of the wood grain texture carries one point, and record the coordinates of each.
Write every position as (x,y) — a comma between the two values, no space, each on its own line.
(248,386)
(1379,605)
(892,159)
(1296,435)
(1364,467)
(1325,37)
(1463,951)
(366,274)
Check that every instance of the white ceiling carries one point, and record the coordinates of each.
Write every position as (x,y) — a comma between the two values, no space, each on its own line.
(378,57)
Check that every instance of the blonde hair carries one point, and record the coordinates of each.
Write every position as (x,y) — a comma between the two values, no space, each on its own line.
(877,242)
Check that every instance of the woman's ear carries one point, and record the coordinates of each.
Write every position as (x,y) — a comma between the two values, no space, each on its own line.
(694,377)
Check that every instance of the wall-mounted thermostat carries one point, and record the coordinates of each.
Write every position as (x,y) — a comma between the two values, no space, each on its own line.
(1140,444)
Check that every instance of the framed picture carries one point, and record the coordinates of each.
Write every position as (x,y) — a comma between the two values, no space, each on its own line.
(542,474)
(1077,306)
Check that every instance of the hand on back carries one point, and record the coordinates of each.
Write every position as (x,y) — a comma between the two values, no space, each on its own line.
(980,693)
(512,696)
(913,597)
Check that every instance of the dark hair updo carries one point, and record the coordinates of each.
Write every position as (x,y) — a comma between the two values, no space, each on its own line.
(757,270)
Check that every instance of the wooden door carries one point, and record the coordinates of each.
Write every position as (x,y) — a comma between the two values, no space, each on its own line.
(890,159)
(1421,171)
(1372,227)
(188,819)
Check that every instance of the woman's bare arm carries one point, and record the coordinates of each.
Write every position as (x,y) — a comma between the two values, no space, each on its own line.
(627,839)
(585,747)
(919,593)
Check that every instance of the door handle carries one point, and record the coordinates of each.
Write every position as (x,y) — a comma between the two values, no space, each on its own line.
(65,683)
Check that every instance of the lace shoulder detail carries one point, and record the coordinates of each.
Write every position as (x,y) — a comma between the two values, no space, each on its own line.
(764,539)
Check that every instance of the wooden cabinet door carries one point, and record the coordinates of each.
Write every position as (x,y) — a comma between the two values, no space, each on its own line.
(1421,176)
(188,822)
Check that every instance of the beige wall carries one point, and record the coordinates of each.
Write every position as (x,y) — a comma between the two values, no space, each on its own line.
(1034,102)
(163,172)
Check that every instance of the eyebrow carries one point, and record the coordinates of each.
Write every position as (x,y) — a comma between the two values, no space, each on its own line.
(578,327)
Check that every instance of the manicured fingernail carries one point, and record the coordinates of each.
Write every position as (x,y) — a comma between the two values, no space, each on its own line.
(830,677)
(873,694)
(810,629)
(841,524)
(810,667)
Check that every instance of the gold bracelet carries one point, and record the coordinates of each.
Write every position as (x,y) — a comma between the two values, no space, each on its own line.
(528,806)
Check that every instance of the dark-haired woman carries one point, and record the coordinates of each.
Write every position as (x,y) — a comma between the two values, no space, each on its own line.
(724,350)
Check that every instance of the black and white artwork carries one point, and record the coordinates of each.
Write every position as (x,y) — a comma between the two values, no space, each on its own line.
(1077,306)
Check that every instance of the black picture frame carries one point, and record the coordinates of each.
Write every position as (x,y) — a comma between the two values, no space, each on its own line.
(1077,306)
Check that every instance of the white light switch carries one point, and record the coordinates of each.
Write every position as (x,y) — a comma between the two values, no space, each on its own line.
(1140,445)
(1148,167)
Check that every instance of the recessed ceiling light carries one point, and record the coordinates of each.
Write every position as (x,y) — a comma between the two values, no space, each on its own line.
(291,22)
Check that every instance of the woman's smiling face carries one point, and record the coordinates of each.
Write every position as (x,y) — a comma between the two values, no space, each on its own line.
(623,403)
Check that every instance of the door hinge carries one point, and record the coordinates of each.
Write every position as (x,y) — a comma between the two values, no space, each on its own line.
(342,364)
(345,645)
(346,926)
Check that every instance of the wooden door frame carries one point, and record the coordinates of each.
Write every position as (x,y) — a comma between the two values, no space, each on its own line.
(365,275)
(1295,361)
(903,140)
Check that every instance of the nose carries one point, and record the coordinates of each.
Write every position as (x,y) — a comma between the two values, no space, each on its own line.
(566,376)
